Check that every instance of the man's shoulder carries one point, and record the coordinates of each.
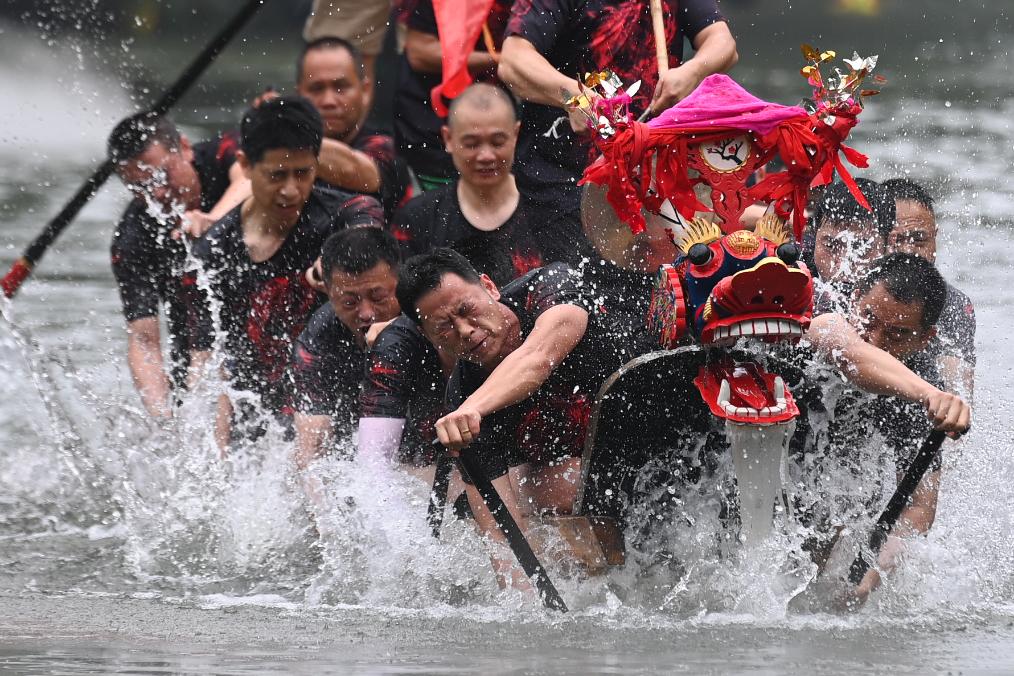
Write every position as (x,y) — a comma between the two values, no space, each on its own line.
(221,148)
(403,337)
(328,203)
(135,226)
(548,277)
(221,237)
(540,289)
(958,300)
(325,335)
(373,141)
(328,197)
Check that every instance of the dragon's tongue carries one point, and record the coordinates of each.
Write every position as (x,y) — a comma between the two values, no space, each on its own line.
(746,388)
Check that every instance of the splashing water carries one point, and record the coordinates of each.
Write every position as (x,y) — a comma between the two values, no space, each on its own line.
(94,499)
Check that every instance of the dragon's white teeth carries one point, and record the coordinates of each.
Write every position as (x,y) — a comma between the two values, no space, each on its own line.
(779,389)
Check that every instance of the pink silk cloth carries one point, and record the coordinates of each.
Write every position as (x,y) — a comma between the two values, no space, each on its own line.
(719,101)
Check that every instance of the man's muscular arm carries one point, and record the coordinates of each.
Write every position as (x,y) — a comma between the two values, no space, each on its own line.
(530,76)
(144,356)
(715,52)
(878,372)
(424,56)
(557,331)
(312,435)
(345,167)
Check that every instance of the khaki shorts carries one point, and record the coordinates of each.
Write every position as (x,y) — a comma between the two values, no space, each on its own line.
(361,22)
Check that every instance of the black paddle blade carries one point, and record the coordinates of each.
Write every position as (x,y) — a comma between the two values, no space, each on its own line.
(917,467)
(438,494)
(508,526)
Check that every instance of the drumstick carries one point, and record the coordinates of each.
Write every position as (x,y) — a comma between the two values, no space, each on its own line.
(487,38)
(661,46)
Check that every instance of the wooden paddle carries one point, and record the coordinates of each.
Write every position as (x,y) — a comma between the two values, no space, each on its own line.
(472,470)
(23,267)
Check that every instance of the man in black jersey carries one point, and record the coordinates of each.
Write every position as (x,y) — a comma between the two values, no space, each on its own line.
(176,187)
(330,73)
(338,378)
(481,215)
(529,361)
(250,284)
(551,42)
(915,232)
(896,308)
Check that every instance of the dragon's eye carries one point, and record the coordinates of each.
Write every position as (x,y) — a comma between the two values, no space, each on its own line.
(788,252)
(700,254)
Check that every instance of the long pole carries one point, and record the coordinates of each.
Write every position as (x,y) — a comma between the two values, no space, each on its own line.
(530,563)
(917,468)
(661,46)
(23,267)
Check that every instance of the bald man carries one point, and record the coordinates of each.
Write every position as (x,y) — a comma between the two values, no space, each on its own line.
(481,214)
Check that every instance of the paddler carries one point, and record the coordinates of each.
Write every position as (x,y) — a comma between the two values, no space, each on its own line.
(897,308)
(250,283)
(178,188)
(530,358)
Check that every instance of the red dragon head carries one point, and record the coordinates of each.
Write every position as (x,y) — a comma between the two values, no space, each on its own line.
(722,287)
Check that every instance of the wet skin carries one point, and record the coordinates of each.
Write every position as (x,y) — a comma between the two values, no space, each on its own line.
(465,321)
(360,300)
(331,81)
(915,231)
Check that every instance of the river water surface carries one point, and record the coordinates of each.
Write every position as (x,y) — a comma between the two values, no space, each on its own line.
(125,547)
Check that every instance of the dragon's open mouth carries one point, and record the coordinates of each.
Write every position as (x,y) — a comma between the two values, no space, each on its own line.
(743,392)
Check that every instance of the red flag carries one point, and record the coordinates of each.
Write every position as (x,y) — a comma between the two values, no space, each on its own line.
(459,23)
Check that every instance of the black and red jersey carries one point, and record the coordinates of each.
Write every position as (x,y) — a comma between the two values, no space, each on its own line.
(327,366)
(262,307)
(148,263)
(395,184)
(403,379)
(434,219)
(553,420)
(586,36)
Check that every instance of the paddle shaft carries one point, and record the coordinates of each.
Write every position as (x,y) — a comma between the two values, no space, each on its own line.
(22,268)
(438,495)
(473,471)
(921,462)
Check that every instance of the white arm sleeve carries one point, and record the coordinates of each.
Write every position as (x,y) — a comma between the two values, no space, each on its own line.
(380,439)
